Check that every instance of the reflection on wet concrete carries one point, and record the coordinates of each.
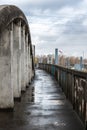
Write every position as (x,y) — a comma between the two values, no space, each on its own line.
(42,107)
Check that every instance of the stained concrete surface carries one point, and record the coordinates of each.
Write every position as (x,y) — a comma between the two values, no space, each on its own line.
(42,107)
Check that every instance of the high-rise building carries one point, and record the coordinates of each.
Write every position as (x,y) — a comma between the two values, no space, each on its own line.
(56,56)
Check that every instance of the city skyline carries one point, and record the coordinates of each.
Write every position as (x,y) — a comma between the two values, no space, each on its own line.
(56,24)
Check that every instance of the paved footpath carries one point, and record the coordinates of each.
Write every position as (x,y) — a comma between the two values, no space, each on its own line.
(43,107)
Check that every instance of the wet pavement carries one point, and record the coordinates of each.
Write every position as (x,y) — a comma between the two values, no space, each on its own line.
(42,107)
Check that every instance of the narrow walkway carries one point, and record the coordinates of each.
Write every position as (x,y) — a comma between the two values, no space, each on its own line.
(43,107)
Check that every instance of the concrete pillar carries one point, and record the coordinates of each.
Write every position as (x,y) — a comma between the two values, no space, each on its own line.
(31,67)
(23,75)
(33,51)
(26,70)
(17,60)
(6,56)
(29,64)
(27,59)
(11,48)
(15,50)
(24,60)
(31,72)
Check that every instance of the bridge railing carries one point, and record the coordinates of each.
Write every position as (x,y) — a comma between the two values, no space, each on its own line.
(74,85)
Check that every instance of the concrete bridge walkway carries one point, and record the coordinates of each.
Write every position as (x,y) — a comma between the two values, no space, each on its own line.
(43,107)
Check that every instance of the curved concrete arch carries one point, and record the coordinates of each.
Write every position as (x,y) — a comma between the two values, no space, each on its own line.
(8,13)
(16,60)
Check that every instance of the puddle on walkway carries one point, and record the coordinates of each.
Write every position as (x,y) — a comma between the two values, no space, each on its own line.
(59,124)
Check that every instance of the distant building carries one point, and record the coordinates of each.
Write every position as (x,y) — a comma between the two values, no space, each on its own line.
(56,56)
(40,60)
(77,67)
(50,59)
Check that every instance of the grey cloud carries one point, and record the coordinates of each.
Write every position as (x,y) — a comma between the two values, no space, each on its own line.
(48,38)
(75,27)
(51,4)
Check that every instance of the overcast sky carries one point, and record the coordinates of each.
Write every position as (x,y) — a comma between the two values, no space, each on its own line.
(54,24)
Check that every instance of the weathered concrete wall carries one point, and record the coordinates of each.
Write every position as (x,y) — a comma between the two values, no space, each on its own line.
(15,61)
(6,90)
